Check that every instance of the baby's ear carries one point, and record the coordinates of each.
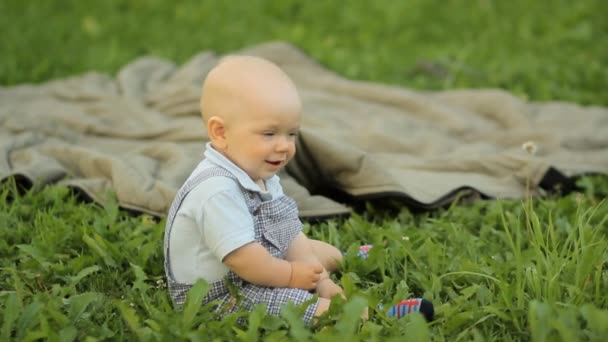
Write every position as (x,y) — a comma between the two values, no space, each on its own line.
(217,132)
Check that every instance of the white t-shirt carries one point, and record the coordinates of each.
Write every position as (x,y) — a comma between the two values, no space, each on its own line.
(213,220)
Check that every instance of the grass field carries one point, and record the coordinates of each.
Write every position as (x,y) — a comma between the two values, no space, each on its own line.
(496,270)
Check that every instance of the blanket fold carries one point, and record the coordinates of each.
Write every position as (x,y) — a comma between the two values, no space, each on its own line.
(139,135)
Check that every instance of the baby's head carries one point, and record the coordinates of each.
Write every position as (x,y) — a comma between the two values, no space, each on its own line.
(252,112)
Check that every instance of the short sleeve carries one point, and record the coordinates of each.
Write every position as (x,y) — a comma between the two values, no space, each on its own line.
(227,223)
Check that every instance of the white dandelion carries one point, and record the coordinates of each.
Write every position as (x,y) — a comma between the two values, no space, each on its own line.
(530,147)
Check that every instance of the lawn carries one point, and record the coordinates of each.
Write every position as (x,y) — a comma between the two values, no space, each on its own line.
(535,269)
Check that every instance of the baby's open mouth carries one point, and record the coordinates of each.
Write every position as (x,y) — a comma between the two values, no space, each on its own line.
(275,163)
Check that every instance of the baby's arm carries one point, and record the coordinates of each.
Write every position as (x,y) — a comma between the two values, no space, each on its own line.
(302,249)
(253,263)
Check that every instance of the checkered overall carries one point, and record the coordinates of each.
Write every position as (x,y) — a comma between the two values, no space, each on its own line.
(276,224)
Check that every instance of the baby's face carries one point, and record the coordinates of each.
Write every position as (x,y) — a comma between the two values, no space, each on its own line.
(253,114)
(263,141)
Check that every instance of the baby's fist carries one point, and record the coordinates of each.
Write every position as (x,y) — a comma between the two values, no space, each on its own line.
(305,275)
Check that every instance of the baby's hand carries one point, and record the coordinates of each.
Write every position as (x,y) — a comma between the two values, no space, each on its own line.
(327,288)
(305,275)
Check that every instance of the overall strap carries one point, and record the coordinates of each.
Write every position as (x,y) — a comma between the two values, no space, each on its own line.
(177,202)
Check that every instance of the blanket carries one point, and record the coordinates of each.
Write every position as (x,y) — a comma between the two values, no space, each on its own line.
(138,135)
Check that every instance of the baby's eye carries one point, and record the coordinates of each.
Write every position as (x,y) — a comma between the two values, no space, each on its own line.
(268,134)
(293,134)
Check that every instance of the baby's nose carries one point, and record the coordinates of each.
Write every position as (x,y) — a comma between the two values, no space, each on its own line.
(283,143)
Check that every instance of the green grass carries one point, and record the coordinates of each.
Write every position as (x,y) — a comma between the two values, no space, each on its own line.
(542,49)
(496,270)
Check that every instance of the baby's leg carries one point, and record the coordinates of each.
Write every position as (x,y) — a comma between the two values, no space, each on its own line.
(274,298)
(328,255)
(322,306)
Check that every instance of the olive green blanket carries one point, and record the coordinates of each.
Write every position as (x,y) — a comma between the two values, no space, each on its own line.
(139,135)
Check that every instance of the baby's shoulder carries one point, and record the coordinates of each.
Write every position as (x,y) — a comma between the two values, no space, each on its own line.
(216,185)
(217,191)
